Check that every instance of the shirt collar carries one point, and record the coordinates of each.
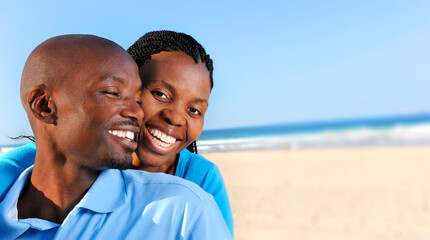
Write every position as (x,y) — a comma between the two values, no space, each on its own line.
(9,213)
(10,225)
(106,194)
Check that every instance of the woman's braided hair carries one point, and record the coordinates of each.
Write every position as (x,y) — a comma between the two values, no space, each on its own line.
(167,41)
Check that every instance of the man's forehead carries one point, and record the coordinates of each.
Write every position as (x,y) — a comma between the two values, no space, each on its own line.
(110,66)
(120,78)
(73,61)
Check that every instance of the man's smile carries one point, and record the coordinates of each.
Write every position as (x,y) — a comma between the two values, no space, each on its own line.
(131,136)
(126,137)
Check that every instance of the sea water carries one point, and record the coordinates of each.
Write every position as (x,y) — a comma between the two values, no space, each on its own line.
(391,130)
(410,129)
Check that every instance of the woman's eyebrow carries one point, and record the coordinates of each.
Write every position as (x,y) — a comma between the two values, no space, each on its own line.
(166,84)
(172,88)
(201,100)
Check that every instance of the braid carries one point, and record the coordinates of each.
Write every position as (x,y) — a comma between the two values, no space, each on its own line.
(166,41)
(21,137)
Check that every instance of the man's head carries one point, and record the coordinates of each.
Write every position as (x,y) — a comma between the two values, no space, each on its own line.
(82,96)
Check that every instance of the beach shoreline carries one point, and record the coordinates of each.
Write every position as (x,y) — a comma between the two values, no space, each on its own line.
(329,193)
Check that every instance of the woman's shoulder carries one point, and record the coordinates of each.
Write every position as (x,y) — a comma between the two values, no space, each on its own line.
(195,163)
(13,163)
(22,156)
(198,169)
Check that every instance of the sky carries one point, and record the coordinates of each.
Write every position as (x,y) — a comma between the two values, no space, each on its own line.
(274,61)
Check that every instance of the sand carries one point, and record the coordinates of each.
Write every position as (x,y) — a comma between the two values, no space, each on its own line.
(352,193)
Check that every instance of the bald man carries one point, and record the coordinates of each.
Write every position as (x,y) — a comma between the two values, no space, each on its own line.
(82,97)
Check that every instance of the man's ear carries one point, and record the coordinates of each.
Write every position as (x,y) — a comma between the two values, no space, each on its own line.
(42,105)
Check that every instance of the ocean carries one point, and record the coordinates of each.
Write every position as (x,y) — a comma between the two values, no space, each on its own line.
(407,129)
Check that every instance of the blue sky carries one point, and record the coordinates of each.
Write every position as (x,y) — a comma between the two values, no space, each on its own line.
(275,61)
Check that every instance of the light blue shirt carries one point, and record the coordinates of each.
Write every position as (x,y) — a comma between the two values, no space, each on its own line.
(192,167)
(123,204)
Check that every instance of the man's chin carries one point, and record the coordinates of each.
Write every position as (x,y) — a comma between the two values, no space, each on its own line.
(118,161)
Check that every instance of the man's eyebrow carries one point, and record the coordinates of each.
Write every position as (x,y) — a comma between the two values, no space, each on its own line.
(113,78)
(117,79)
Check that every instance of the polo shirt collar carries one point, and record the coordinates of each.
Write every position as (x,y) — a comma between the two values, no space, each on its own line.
(106,194)
(8,217)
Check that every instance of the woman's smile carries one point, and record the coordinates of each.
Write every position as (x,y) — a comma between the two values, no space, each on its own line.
(160,141)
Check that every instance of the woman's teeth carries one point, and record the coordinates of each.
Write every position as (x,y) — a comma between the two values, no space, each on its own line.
(123,134)
(161,138)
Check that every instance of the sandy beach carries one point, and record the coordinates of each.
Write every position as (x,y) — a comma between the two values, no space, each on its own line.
(348,193)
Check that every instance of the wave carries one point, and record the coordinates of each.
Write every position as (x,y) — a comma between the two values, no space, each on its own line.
(359,136)
(391,130)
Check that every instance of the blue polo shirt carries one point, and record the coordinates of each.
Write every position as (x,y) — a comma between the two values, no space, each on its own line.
(192,167)
(123,204)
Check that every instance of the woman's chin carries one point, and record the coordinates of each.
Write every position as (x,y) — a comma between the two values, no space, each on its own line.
(152,159)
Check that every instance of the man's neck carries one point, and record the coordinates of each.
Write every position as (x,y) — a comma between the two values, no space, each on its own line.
(55,188)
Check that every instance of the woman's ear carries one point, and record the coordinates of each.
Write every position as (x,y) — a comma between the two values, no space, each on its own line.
(42,105)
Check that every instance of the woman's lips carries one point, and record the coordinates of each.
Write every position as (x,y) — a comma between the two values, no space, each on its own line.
(163,138)
(160,141)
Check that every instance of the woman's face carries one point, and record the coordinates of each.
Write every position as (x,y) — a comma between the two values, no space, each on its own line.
(175,98)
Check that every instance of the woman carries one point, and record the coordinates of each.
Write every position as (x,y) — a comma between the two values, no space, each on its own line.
(177,81)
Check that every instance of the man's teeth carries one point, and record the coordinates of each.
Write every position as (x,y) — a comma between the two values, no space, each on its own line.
(161,138)
(123,134)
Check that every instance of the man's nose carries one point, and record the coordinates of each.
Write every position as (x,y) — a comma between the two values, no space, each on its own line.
(132,110)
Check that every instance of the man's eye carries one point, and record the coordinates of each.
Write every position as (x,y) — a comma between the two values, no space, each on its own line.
(113,93)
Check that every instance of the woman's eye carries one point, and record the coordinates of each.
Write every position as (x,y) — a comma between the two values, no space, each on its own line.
(194,111)
(159,95)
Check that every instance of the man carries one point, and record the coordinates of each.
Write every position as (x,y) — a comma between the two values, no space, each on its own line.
(82,95)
